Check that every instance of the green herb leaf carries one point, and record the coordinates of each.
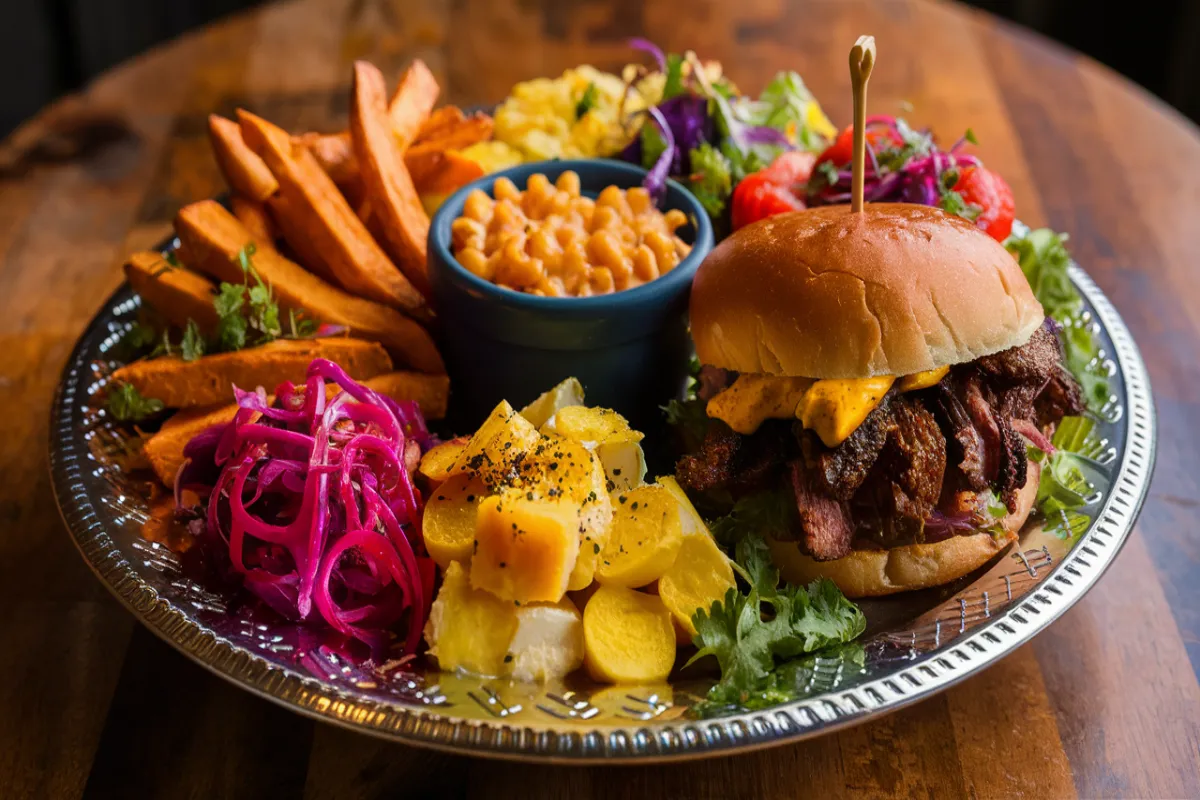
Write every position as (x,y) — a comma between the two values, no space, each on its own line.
(300,327)
(125,403)
(711,178)
(801,677)
(786,105)
(747,633)
(1064,487)
(673,85)
(587,101)
(171,258)
(192,346)
(762,513)
(1044,259)
(138,337)
(653,144)
(970,137)
(244,255)
(952,202)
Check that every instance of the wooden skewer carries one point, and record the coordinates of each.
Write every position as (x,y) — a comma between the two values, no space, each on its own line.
(862,61)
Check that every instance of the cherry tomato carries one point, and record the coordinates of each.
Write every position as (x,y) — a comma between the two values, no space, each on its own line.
(880,135)
(986,189)
(758,197)
(790,168)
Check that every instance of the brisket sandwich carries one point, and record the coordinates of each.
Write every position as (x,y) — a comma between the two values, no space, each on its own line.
(885,370)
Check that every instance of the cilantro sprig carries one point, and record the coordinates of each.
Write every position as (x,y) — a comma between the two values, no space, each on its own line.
(750,633)
(126,403)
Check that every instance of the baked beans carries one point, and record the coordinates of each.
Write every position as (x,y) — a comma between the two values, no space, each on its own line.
(552,241)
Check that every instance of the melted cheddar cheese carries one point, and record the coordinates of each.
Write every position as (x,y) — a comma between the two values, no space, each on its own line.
(755,398)
(833,409)
(921,380)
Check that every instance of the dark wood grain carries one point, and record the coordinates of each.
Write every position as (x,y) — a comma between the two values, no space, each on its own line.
(1104,703)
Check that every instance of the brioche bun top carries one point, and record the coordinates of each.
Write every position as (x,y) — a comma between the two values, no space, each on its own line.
(826,293)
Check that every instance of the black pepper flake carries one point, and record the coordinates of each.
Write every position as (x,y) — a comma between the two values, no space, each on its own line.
(621,499)
(553,465)
(470,498)
(503,565)
(617,472)
(508,657)
(441,497)
(596,550)
(634,506)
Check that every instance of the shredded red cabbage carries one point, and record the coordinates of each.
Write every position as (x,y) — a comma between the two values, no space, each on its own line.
(312,501)
(647,46)
(913,172)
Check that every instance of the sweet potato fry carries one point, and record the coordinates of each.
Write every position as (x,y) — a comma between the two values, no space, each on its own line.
(334,152)
(176,293)
(394,200)
(412,103)
(207,380)
(252,214)
(296,237)
(244,171)
(337,234)
(442,171)
(456,136)
(212,238)
(439,120)
(445,129)
(164,450)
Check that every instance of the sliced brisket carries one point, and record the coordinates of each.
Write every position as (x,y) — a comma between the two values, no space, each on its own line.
(970,392)
(842,469)
(824,522)
(906,482)
(1031,363)
(967,451)
(728,460)
(1061,397)
(1013,464)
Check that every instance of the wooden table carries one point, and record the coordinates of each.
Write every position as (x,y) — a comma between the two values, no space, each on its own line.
(1104,703)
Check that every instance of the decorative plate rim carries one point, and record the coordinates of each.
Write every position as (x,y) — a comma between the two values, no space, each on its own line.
(1069,579)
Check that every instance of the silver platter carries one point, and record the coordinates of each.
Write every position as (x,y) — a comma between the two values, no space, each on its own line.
(915,645)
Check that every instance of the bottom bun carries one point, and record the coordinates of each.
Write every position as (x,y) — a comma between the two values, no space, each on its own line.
(872,573)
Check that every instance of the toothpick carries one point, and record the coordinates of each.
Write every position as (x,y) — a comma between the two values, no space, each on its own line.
(862,61)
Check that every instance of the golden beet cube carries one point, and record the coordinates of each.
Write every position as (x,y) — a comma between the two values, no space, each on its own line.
(644,539)
(468,628)
(501,440)
(526,548)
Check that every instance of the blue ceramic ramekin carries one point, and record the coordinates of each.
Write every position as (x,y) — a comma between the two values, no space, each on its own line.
(629,349)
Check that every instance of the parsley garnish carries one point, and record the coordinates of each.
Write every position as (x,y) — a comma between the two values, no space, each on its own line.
(748,632)
(587,101)
(126,403)
(710,181)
